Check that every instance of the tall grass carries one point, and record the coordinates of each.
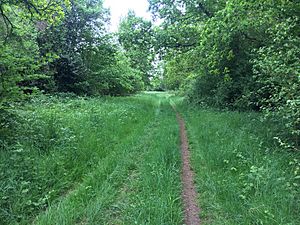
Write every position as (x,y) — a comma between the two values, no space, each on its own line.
(155,189)
(241,175)
(57,143)
(92,161)
(117,161)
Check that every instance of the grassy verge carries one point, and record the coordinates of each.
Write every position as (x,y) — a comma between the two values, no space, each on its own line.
(242,177)
(117,161)
(92,161)
(57,143)
(138,184)
(154,194)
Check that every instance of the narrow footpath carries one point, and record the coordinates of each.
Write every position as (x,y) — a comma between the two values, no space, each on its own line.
(189,194)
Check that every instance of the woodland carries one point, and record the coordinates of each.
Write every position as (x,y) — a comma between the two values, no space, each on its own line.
(240,55)
(229,56)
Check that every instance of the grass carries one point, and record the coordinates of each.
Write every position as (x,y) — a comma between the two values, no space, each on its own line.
(117,161)
(241,175)
(92,161)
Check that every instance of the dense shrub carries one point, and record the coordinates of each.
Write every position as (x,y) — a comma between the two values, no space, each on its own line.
(277,72)
(246,58)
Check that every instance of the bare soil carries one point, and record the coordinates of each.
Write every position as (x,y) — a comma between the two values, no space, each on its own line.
(189,194)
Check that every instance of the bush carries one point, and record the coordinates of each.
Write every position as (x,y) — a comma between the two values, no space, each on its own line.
(277,71)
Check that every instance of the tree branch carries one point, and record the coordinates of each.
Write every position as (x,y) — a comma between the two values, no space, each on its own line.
(30,6)
(8,24)
(202,8)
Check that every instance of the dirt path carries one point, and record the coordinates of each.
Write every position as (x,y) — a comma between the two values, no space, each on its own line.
(189,194)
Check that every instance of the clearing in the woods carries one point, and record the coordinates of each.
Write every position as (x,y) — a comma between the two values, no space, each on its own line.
(118,161)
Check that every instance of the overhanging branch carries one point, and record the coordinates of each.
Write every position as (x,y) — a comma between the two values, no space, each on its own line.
(8,24)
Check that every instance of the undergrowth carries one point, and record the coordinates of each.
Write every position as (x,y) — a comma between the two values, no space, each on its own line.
(91,161)
(56,142)
(242,175)
(117,161)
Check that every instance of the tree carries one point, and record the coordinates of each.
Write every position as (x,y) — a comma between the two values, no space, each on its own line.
(137,38)
(20,60)
(41,10)
(236,54)
(82,27)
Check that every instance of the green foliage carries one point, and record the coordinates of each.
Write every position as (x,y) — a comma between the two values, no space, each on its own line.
(60,46)
(89,62)
(242,175)
(179,70)
(277,72)
(76,160)
(240,55)
(58,141)
(20,61)
(72,39)
(136,37)
(114,76)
